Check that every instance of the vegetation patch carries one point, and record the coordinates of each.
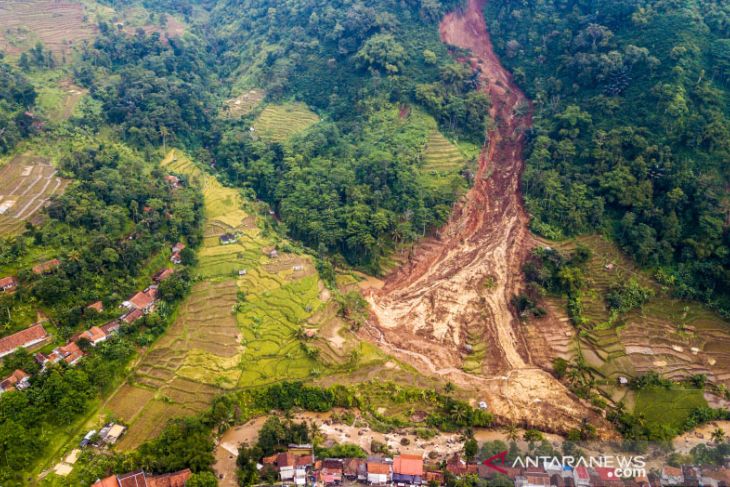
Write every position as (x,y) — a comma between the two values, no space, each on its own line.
(667,407)
(279,122)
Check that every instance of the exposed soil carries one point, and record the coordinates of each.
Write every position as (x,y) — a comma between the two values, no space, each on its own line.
(453,293)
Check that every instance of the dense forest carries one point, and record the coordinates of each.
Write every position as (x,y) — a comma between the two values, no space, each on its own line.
(632,128)
(17,97)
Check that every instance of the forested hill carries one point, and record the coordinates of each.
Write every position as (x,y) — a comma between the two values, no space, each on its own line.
(632,127)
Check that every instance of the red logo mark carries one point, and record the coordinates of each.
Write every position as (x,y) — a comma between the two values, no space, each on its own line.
(502,457)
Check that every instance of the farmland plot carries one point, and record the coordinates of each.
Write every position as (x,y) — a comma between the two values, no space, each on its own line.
(279,122)
(26,185)
(59,24)
(240,326)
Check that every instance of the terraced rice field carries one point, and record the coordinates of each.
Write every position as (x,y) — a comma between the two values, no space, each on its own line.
(26,184)
(674,338)
(236,329)
(443,163)
(59,24)
(279,122)
(243,104)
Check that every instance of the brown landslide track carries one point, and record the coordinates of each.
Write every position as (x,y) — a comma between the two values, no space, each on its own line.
(453,294)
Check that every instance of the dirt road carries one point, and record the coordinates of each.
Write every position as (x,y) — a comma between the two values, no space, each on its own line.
(453,296)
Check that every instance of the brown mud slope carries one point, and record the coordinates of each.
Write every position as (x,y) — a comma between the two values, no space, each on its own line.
(450,303)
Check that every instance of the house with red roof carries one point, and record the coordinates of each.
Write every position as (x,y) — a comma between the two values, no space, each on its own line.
(98,306)
(671,476)
(46,267)
(581,477)
(141,479)
(332,471)
(111,327)
(8,283)
(31,336)
(379,471)
(163,274)
(408,469)
(132,316)
(606,477)
(18,380)
(144,300)
(69,353)
(95,335)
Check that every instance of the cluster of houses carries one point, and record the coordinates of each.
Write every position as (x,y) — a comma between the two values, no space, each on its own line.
(142,479)
(108,435)
(299,467)
(35,336)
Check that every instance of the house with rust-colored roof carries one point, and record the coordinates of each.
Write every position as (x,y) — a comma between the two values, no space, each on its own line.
(33,335)
(69,353)
(111,327)
(141,479)
(8,283)
(94,335)
(408,469)
(144,300)
(18,380)
(46,267)
(332,471)
(379,471)
(132,316)
(98,306)
(163,274)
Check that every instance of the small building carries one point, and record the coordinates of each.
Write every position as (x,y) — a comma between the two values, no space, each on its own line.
(408,470)
(46,267)
(18,380)
(242,272)
(178,247)
(141,479)
(87,439)
(110,433)
(274,254)
(483,405)
(227,238)
(132,316)
(379,472)
(173,181)
(671,476)
(434,477)
(332,471)
(8,283)
(33,335)
(354,468)
(111,327)
(144,300)
(622,380)
(606,477)
(163,274)
(95,335)
(581,477)
(176,258)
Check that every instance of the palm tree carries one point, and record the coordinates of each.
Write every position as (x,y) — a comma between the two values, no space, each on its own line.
(718,436)
(512,432)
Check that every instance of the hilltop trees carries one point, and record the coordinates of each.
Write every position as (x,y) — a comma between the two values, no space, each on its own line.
(631,128)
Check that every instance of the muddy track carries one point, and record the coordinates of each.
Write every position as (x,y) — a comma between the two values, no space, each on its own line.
(453,295)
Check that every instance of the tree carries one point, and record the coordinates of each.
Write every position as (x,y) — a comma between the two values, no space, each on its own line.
(382,51)
(471,448)
(718,435)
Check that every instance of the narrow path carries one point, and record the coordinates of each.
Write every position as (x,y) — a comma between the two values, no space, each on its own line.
(430,307)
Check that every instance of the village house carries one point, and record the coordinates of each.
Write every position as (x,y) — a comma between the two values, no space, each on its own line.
(581,477)
(34,335)
(110,433)
(132,316)
(692,476)
(163,274)
(8,283)
(18,380)
(379,471)
(173,181)
(332,471)
(227,238)
(144,301)
(69,353)
(94,335)
(605,477)
(97,306)
(434,477)
(141,479)
(176,258)
(355,469)
(46,267)
(458,467)
(110,328)
(408,470)
(671,476)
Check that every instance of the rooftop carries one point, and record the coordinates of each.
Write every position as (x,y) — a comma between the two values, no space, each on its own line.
(22,338)
(408,464)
